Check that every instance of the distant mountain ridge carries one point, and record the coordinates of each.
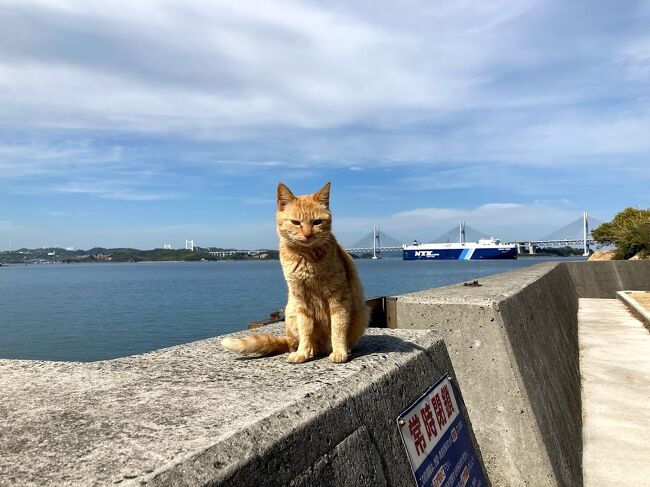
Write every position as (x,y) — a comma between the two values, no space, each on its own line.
(125,254)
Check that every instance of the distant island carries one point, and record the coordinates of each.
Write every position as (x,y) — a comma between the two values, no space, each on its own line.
(101,254)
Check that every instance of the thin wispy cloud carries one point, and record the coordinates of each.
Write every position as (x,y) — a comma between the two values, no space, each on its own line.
(115,190)
(8,226)
(41,157)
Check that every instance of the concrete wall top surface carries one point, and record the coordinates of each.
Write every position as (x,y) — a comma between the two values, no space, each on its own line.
(599,279)
(195,414)
(492,288)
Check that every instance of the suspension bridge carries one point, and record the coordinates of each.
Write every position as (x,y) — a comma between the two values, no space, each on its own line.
(576,232)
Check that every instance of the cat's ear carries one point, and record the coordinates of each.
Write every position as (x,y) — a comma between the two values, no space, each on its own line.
(323,195)
(284,196)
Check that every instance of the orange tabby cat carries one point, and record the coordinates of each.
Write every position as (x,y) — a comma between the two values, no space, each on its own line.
(326,312)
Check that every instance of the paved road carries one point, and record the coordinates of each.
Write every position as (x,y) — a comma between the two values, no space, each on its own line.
(615,369)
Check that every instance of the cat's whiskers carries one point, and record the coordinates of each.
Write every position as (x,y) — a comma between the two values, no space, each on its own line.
(324,241)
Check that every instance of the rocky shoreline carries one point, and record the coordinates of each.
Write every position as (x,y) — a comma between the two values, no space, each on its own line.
(611,255)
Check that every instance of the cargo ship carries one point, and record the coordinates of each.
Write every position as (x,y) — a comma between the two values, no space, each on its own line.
(485,248)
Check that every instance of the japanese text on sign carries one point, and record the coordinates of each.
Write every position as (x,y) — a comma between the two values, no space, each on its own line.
(437,442)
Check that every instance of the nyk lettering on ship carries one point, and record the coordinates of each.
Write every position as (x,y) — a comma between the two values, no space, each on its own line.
(426,253)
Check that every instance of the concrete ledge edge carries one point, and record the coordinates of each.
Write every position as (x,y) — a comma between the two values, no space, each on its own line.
(634,306)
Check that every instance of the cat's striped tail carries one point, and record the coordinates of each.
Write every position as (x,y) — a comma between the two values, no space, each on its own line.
(261,344)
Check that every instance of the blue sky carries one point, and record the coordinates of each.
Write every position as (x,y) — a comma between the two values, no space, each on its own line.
(143,123)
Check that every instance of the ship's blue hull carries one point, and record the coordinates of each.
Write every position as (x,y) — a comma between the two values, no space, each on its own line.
(432,253)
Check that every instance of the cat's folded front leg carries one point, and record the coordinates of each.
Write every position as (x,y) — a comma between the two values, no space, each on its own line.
(305,340)
(340,319)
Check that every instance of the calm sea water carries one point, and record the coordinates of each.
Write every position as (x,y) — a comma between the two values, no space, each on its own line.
(86,312)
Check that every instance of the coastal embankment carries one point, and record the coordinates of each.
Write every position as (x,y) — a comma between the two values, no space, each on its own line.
(514,345)
(196,415)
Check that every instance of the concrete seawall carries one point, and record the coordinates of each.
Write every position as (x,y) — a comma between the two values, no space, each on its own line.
(603,279)
(197,415)
(514,345)
(520,377)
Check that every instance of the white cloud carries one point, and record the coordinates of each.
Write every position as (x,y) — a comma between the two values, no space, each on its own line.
(503,220)
(196,68)
(408,82)
(215,69)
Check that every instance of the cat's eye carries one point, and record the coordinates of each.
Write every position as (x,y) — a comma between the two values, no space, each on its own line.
(317,222)
(295,222)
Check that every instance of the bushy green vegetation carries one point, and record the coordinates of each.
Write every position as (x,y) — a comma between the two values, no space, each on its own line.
(559,251)
(629,231)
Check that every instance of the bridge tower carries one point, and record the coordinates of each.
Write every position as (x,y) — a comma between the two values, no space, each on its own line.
(189,245)
(461,236)
(375,243)
(585,219)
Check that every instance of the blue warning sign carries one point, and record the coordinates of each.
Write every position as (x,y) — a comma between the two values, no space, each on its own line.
(437,441)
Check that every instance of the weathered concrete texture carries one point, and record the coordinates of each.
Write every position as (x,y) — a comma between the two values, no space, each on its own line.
(615,361)
(343,465)
(514,345)
(604,279)
(198,415)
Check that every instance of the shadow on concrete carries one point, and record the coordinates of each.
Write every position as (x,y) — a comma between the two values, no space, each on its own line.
(367,345)
(372,344)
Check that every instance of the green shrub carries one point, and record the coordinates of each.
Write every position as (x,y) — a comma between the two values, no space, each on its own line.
(629,231)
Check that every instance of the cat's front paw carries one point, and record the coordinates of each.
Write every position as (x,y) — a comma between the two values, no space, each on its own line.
(338,357)
(297,358)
